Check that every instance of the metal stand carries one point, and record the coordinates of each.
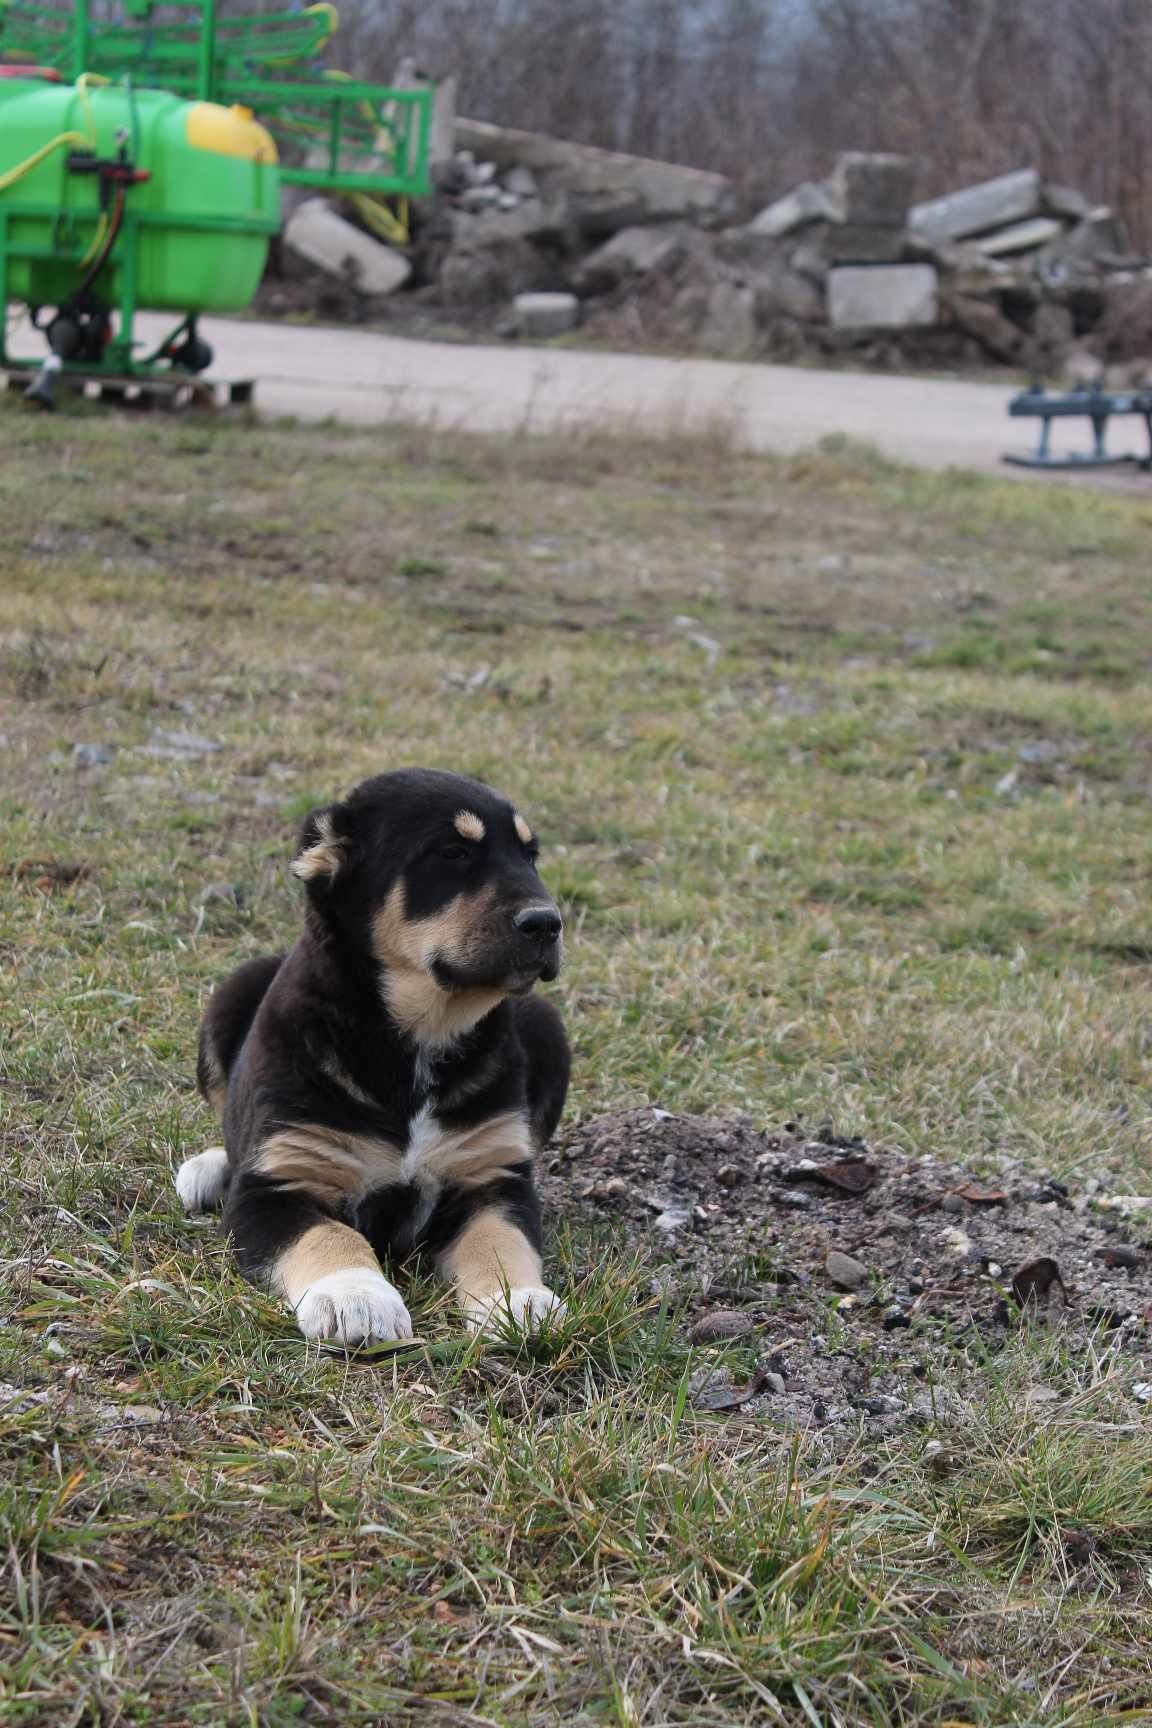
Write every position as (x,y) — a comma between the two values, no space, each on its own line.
(1095,405)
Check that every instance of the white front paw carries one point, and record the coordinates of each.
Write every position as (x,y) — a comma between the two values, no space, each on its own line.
(527,1306)
(353,1307)
(202,1180)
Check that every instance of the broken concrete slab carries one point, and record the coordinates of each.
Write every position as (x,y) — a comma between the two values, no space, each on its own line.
(986,324)
(545,315)
(633,252)
(857,243)
(728,328)
(882,296)
(780,293)
(318,234)
(976,209)
(1019,237)
(608,190)
(1064,201)
(534,219)
(873,189)
(1101,237)
(804,204)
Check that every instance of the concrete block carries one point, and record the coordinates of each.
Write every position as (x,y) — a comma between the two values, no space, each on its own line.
(544,315)
(325,239)
(872,189)
(857,242)
(976,209)
(632,252)
(1020,237)
(805,204)
(882,296)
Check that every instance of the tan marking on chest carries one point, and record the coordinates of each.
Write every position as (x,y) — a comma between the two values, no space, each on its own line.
(466,1157)
(332,1166)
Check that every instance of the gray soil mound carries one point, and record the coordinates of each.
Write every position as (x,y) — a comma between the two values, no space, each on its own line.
(851,1275)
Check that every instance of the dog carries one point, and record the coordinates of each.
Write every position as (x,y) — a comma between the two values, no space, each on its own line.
(384,1085)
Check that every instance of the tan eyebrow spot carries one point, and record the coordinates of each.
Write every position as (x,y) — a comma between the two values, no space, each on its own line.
(522,828)
(468,825)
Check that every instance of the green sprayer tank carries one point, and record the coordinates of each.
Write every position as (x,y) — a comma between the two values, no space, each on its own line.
(202,201)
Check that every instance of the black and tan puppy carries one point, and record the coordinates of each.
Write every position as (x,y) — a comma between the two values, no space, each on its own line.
(384,1085)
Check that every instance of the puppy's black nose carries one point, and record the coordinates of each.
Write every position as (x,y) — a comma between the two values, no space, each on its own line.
(543,923)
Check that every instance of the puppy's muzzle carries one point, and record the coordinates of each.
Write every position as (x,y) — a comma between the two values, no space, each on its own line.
(539,929)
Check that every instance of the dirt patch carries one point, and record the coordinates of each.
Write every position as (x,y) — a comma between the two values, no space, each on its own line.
(855,1275)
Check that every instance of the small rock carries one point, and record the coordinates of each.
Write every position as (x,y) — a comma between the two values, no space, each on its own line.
(845,1272)
(775,1383)
(729,1175)
(672,1219)
(792,1199)
(720,1323)
(92,755)
(522,181)
(896,1320)
(615,1185)
(1142,1391)
(952,1204)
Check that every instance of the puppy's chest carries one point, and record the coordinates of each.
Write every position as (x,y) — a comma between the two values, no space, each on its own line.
(469,1154)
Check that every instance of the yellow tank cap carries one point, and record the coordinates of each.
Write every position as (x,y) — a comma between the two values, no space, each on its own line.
(229,132)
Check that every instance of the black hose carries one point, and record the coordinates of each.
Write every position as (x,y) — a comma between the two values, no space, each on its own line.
(102,256)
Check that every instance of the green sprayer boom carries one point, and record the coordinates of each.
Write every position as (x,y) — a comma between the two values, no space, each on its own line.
(141,161)
(332,133)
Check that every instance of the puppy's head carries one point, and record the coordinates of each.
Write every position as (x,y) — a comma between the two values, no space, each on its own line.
(434,877)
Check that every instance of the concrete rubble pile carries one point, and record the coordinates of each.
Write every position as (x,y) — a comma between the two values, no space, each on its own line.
(529,236)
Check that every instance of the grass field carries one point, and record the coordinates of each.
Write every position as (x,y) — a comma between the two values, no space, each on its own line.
(844,776)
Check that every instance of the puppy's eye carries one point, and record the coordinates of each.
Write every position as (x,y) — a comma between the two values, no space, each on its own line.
(452,854)
(532,851)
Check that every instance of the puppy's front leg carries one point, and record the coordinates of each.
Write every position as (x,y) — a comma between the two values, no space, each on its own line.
(326,1271)
(494,1265)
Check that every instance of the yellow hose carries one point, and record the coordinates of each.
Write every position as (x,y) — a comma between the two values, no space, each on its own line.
(75,138)
(45,150)
(97,241)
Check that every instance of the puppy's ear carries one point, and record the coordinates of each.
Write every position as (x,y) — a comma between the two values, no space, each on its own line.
(326,848)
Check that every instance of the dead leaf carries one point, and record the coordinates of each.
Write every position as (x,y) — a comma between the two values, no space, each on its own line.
(980,1196)
(849,1175)
(1079,1545)
(1035,1279)
(49,873)
(720,1393)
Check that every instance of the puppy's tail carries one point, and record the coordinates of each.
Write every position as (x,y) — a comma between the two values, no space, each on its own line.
(230,1012)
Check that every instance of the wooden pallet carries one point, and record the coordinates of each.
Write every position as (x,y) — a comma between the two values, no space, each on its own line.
(166,390)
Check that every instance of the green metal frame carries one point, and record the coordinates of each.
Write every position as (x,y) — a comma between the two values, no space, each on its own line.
(333,133)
